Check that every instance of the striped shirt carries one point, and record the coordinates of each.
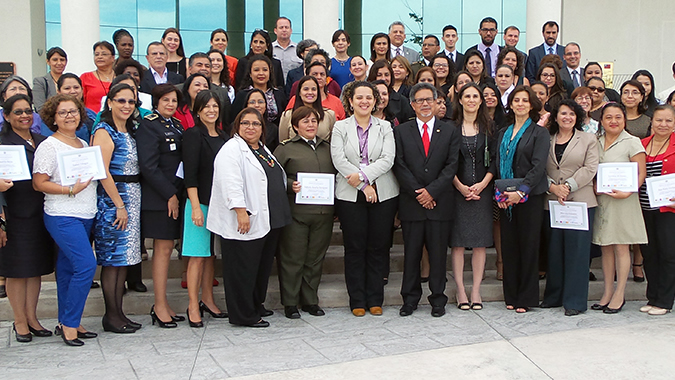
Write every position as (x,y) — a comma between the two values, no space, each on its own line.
(653,170)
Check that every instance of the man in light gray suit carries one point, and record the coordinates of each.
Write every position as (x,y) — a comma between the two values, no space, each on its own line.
(397,37)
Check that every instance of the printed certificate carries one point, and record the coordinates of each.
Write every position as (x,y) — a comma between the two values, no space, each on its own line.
(13,163)
(570,216)
(661,190)
(80,164)
(622,176)
(316,189)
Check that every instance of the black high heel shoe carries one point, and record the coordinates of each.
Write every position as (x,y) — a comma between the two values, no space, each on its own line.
(599,307)
(609,310)
(203,308)
(126,329)
(21,338)
(40,333)
(162,324)
(193,324)
(177,318)
(72,342)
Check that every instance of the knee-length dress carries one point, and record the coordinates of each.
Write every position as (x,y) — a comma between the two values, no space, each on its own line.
(619,221)
(472,224)
(119,247)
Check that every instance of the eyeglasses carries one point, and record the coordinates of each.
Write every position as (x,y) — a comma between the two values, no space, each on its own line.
(582,98)
(421,101)
(439,65)
(122,101)
(247,124)
(546,75)
(598,89)
(26,111)
(64,114)
(488,30)
(254,102)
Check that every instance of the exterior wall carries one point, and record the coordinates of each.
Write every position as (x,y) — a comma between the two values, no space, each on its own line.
(22,25)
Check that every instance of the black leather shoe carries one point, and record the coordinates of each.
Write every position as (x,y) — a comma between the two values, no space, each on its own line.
(260,323)
(203,308)
(609,310)
(546,305)
(95,285)
(291,312)
(406,310)
(86,335)
(40,333)
(193,324)
(265,312)
(21,338)
(437,311)
(167,325)
(107,326)
(314,310)
(597,306)
(177,318)
(137,287)
(73,342)
(133,324)
(572,312)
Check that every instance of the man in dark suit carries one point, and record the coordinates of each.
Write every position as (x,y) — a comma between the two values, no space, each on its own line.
(157,55)
(572,73)
(511,39)
(450,39)
(550,46)
(430,47)
(488,32)
(201,63)
(427,151)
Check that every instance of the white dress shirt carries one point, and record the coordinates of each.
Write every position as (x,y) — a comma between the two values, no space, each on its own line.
(430,126)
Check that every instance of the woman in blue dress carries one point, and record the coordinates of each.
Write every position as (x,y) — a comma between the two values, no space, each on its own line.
(117,225)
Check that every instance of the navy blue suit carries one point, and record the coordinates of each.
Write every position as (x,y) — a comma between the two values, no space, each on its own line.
(534,57)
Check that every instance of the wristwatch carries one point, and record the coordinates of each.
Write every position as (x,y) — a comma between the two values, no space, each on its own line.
(3,224)
(361,177)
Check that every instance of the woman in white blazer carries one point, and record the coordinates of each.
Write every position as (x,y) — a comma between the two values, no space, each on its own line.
(363,150)
(248,209)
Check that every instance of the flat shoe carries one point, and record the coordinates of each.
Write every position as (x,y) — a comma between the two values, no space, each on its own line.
(359,312)
(260,323)
(376,310)
(314,310)
(291,312)
(658,311)
(599,307)
(438,311)
(646,308)
(571,312)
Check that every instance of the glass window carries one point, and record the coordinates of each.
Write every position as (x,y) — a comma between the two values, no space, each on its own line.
(156,13)
(117,14)
(202,15)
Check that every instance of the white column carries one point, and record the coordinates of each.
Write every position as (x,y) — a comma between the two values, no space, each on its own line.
(22,25)
(538,12)
(79,31)
(320,20)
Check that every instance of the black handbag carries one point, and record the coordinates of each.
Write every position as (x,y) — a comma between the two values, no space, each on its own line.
(507,184)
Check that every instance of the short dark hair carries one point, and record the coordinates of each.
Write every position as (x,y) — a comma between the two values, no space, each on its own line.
(200,102)
(377,65)
(609,105)
(8,81)
(438,42)
(236,124)
(337,35)
(48,110)
(348,94)
(197,55)
(9,104)
(56,50)
(308,68)
(219,30)
(511,27)
(105,45)
(634,82)
(186,87)
(119,33)
(422,86)
(573,44)
(283,18)
(549,24)
(123,64)
(303,45)
(534,103)
(162,89)
(64,76)
(488,19)
(520,59)
(574,106)
(154,43)
(301,113)
(449,27)
(318,51)
(426,69)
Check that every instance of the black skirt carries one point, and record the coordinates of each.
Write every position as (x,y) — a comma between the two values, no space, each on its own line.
(158,225)
(30,250)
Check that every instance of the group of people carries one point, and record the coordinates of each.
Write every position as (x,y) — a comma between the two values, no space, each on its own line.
(459,150)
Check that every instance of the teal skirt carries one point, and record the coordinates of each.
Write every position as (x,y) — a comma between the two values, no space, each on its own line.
(196,240)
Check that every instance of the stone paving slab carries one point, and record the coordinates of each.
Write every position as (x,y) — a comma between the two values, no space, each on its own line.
(491,343)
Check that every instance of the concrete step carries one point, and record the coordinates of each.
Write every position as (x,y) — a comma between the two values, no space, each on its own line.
(332,293)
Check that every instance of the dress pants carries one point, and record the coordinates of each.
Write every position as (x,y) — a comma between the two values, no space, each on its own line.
(303,247)
(433,235)
(75,265)
(520,252)
(247,265)
(367,233)
(568,265)
(659,258)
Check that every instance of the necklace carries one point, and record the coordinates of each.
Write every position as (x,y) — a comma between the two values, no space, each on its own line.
(66,136)
(472,147)
(341,62)
(98,76)
(657,152)
(270,161)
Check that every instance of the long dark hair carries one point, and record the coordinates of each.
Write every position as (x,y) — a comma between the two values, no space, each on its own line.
(248,81)
(520,59)
(475,53)
(641,108)
(317,102)
(268,41)
(9,103)
(106,115)
(180,51)
(373,55)
(482,118)
(377,65)
(500,114)
(388,115)
(225,74)
(451,67)
(201,100)
(553,127)
(649,101)
(187,101)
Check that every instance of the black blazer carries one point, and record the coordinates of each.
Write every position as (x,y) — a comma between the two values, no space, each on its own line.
(199,152)
(242,68)
(399,106)
(434,172)
(240,99)
(148,81)
(464,156)
(160,149)
(530,159)
(25,201)
(459,59)
(534,57)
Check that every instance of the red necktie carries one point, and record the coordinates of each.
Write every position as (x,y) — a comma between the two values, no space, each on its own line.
(425,139)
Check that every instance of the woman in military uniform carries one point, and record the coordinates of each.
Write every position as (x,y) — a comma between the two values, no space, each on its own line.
(304,242)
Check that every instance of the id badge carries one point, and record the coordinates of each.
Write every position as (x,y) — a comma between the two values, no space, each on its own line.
(172,146)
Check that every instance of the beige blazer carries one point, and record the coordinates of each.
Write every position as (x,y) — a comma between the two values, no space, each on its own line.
(346,156)
(325,126)
(578,167)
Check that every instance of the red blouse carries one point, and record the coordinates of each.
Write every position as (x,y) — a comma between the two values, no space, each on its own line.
(94,90)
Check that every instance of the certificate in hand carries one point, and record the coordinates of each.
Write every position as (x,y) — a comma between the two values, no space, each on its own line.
(570,216)
(622,176)
(13,163)
(661,190)
(82,164)
(316,189)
